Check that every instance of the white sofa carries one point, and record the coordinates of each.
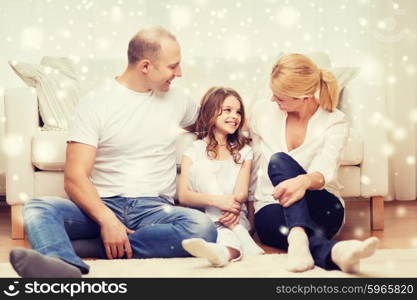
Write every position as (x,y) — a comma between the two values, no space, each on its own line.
(35,169)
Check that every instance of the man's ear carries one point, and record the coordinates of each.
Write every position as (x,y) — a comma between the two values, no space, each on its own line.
(143,66)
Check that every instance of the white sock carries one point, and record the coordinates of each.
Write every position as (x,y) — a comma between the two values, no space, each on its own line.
(299,256)
(347,254)
(218,255)
(249,247)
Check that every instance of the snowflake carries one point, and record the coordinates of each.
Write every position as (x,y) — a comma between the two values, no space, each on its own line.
(288,16)
(12,145)
(23,197)
(180,17)
(365,180)
(284,230)
(392,79)
(410,70)
(32,38)
(400,134)
(400,211)
(358,232)
(168,208)
(387,149)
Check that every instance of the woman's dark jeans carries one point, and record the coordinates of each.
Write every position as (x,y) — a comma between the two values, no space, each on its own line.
(319,212)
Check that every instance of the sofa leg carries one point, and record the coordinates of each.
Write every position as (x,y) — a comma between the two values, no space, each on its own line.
(18,231)
(377,213)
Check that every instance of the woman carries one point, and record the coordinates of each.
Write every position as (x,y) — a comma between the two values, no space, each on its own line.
(298,139)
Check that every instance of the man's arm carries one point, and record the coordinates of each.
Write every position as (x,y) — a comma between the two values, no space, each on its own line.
(80,160)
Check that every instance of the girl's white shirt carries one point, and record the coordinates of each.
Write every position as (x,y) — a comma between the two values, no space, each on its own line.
(226,171)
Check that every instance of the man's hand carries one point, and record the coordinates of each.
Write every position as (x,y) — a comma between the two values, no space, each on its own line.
(291,190)
(229,220)
(115,240)
(229,203)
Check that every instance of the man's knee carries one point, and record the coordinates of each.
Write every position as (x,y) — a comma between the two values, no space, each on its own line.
(200,226)
(36,205)
(40,206)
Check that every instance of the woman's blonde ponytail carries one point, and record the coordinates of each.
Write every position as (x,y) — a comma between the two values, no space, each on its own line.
(329,93)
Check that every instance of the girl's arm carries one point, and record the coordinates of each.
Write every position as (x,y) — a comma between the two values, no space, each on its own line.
(242,182)
(240,191)
(188,197)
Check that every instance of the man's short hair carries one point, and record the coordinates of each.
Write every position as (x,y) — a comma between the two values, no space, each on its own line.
(146,44)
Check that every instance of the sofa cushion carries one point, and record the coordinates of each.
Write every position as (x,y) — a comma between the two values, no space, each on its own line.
(48,150)
(48,183)
(349,181)
(58,89)
(49,147)
(353,153)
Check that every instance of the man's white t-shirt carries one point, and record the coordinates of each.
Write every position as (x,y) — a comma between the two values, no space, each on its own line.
(135,135)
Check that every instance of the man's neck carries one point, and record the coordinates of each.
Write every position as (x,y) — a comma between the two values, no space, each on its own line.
(132,82)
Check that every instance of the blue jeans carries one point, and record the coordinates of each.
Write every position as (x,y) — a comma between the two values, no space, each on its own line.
(52,222)
(319,212)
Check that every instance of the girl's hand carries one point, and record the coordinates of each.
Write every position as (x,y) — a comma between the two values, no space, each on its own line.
(291,190)
(228,203)
(229,220)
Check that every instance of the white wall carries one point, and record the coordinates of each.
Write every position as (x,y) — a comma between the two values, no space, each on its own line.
(377,35)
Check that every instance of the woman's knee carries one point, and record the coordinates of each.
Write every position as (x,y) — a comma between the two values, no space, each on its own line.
(280,161)
(282,167)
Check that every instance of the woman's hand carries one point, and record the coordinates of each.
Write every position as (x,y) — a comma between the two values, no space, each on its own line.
(291,190)
(229,220)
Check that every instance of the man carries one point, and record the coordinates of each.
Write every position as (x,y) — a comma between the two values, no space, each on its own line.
(120,170)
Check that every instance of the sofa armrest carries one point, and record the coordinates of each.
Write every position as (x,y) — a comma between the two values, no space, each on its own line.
(361,104)
(22,117)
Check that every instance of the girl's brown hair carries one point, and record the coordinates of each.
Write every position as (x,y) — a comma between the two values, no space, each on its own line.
(211,108)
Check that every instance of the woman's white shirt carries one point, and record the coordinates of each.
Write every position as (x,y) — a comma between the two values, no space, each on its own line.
(320,152)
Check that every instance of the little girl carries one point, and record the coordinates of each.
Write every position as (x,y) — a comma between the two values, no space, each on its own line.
(215,174)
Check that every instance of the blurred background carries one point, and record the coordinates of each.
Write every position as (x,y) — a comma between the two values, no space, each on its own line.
(378,36)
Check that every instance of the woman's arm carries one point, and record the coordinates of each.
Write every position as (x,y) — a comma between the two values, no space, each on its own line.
(291,190)
(188,197)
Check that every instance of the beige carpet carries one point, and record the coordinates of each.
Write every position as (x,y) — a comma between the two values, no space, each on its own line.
(385,263)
